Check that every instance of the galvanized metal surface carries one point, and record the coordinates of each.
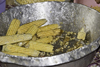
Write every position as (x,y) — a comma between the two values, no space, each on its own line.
(73,16)
(82,62)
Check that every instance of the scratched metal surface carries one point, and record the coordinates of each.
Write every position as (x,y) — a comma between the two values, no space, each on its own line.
(73,16)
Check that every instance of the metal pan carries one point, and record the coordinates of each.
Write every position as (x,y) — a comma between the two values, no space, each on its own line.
(73,16)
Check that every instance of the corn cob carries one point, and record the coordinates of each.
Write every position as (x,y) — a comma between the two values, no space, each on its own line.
(14,38)
(13,27)
(34,38)
(3,48)
(49,33)
(45,40)
(40,46)
(16,54)
(23,2)
(48,27)
(22,29)
(22,43)
(17,49)
(96,8)
(12,30)
(27,45)
(32,30)
(81,34)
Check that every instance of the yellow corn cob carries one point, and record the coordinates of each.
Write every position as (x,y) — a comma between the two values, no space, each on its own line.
(32,30)
(12,30)
(34,38)
(96,8)
(34,1)
(45,40)
(49,33)
(27,45)
(25,1)
(81,34)
(14,38)
(40,46)
(3,48)
(42,40)
(48,27)
(13,27)
(16,44)
(22,43)
(17,49)
(16,54)
(22,29)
